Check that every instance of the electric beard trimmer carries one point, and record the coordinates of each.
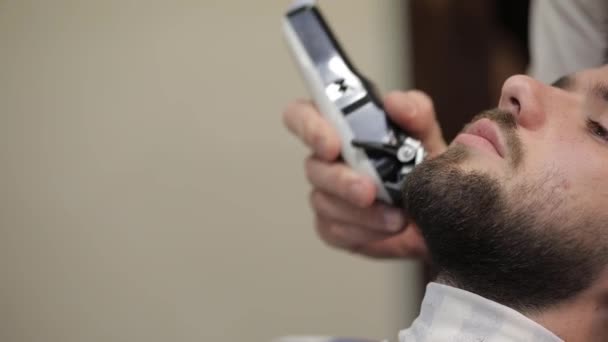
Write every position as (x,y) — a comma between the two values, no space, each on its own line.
(371,143)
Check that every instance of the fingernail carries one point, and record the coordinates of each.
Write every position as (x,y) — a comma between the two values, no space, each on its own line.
(393,220)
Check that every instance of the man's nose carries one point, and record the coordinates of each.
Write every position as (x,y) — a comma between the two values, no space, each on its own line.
(520,96)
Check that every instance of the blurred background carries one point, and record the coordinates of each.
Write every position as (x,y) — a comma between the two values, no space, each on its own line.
(149,191)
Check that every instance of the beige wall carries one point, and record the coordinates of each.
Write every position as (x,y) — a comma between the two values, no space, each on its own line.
(148,190)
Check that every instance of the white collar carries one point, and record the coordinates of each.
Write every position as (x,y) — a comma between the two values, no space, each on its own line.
(451,314)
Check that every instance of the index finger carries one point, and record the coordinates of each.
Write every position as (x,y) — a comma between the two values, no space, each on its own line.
(414,111)
(303,119)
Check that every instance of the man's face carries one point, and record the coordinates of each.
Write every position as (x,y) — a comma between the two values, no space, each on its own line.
(515,210)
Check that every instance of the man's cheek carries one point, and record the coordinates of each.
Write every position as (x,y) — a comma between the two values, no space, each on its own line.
(567,178)
(584,171)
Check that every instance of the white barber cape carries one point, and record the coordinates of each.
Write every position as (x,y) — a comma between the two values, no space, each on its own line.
(451,314)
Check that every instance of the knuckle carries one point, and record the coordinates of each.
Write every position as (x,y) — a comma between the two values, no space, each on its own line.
(337,235)
(357,248)
(304,102)
(311,199)
(327,145)
(315,136)
(392,94)
(312,132)
(333,148)
(374,216)
(324,231)
(343,184)
(288,113)
(316,200)
(296,113)
(309,168)
(341,178)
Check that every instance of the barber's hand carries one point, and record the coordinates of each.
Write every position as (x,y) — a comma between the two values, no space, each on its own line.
(347,215)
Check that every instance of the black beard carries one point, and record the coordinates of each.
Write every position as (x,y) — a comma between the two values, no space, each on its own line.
(481,242)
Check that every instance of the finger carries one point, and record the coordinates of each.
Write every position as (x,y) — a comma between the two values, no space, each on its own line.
(414,112)
(341,181)
(407,244)
(302,118)
(378,217)
(344,236)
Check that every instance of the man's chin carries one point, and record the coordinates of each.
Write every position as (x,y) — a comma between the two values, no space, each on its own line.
(487,244)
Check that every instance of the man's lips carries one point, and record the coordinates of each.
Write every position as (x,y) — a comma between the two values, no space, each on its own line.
(485,134)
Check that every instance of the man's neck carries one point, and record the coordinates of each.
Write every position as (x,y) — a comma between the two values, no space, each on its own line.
(582,318)
(451,314)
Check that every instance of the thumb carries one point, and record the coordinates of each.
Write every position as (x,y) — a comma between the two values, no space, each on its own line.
(413,111)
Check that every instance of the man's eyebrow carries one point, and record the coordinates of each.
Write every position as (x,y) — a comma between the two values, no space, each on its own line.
(564,82)
(600,91)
